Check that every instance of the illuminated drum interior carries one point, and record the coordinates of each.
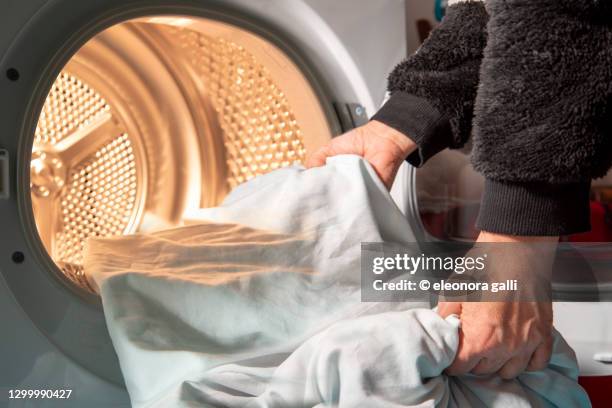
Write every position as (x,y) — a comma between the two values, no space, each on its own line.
(155,117)
(261,131)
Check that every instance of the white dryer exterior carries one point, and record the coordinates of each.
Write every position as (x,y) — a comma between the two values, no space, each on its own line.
(52,338)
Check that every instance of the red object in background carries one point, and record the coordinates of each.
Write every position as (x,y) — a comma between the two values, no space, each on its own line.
(599,389)
(456,223)
(435,224)
(601,226)
(459,223)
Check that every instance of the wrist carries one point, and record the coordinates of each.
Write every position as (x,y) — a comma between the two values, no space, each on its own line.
(527,259)
(485,236)
(401,141)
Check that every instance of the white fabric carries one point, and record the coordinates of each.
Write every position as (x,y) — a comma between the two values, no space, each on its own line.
(264,310)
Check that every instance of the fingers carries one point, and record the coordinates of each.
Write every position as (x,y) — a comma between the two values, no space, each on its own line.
(503,339)
(446,309)
(318,158)
(506,368)
(488,365)
(514,367)
(465,360)
(535,361)
(541,356)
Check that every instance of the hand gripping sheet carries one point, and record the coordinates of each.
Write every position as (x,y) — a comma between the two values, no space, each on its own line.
(256,303)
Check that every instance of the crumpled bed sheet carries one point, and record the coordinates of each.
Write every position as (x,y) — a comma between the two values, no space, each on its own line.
(256,303)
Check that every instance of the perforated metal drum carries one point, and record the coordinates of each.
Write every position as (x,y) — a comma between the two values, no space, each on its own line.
(158,116)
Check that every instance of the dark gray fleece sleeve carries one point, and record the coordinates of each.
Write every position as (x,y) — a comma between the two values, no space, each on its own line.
(543,126)
(433,91)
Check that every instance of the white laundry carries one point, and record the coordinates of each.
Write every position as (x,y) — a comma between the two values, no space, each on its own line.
(258,305)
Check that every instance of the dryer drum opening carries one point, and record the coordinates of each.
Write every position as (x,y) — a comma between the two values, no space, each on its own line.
(158,116)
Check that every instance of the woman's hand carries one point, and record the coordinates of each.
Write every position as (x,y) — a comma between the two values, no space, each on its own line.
(382,146)
(508,337)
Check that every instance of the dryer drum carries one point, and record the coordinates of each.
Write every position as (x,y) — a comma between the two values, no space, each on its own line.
(155,117)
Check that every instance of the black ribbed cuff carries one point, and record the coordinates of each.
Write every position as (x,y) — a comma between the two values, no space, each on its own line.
(535,208)
(416,118)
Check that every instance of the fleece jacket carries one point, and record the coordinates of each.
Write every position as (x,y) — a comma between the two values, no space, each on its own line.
(532,82)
